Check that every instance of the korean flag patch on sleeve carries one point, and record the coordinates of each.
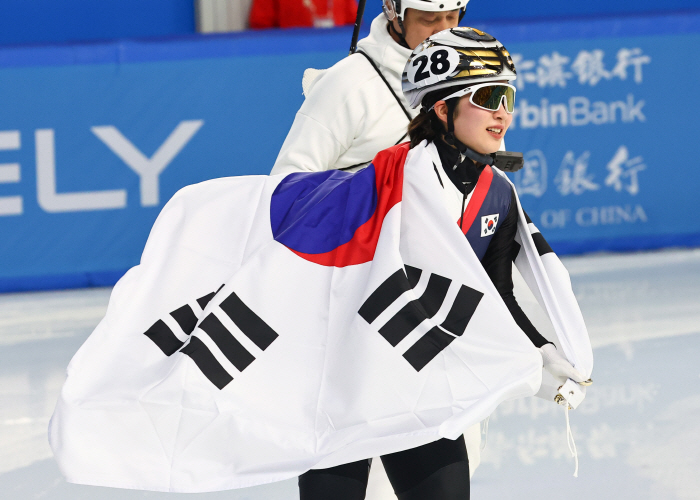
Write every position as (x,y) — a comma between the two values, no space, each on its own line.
(488,224)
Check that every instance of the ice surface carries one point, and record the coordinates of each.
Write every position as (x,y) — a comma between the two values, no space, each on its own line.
(637,432)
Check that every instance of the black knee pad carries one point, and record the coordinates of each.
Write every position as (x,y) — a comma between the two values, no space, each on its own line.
(449,483)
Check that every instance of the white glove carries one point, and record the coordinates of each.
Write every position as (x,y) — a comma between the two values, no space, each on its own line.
(558,365)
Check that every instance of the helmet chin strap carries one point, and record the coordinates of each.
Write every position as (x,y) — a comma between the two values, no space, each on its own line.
(464,150)
(400,34)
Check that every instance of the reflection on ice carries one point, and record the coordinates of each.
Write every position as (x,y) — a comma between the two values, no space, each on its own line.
(633,297)
(31,317)
(669,452)
(637,432)
(639,418)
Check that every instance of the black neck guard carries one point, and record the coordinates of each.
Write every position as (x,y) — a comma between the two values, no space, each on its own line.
(461,170)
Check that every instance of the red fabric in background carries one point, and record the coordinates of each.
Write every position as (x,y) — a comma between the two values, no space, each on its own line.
(293,13)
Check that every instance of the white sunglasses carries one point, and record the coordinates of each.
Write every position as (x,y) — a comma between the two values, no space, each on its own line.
(488,96)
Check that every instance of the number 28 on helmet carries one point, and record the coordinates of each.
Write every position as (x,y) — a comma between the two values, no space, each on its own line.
(455,57)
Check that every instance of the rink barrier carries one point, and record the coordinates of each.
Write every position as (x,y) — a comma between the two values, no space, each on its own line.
(81,183)
(48,21)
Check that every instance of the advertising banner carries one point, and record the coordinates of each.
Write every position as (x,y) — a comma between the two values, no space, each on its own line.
(94,139)
(90,153)
(607,128)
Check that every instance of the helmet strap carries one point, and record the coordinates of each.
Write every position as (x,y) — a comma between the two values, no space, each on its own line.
(451,139)
(477,157)
(400,34)
(462,12)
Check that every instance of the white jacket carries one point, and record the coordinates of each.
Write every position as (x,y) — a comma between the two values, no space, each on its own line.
(349,115)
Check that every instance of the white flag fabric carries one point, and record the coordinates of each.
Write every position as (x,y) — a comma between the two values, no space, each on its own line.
(550,283)
(277,324)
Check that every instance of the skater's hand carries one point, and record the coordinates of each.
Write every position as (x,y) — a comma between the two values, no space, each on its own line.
(558,365)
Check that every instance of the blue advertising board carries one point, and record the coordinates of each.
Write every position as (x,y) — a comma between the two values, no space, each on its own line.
(94,139)
(50,21)
(608,133)
(479,11)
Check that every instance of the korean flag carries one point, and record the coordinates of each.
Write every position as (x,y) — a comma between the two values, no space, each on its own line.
(488,225)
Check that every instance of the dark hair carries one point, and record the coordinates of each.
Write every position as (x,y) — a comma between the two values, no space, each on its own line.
(426,125)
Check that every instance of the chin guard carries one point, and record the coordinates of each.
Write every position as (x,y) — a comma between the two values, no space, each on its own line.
(508,161)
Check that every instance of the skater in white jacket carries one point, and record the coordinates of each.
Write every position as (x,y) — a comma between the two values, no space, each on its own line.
(356,108)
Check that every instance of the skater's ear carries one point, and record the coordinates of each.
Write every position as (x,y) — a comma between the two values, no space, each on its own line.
(441,111)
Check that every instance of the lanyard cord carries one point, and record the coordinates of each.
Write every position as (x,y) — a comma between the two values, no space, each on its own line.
(403,108)
(570,441)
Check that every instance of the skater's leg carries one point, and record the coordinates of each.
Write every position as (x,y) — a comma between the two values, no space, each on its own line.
(344,482)
(438,471)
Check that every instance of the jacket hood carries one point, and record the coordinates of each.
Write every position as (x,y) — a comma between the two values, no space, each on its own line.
(383,49)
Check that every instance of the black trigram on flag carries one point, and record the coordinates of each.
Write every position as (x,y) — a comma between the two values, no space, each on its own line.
(416,311)
(242,316)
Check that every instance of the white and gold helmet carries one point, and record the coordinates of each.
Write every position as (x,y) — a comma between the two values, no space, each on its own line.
(455,57)
(397,8)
